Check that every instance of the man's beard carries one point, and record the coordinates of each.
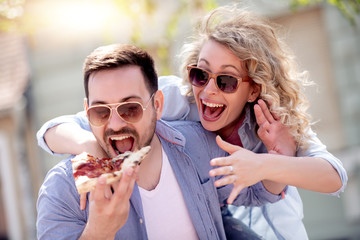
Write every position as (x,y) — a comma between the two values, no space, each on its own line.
(139,141)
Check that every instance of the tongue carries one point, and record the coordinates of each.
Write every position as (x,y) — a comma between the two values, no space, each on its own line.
(212,112)
(124,145)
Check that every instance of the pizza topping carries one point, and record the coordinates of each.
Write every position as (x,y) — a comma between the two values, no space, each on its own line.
(95,167)
(86,168)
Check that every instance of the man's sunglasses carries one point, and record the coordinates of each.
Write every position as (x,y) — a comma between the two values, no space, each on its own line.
(130,112)
(225,82)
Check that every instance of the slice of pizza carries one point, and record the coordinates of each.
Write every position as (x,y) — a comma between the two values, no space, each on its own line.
(87,168)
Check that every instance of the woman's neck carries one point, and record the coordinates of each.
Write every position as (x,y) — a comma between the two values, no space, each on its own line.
(232,135)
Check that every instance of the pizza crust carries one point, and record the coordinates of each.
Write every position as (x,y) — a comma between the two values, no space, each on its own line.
(85,184)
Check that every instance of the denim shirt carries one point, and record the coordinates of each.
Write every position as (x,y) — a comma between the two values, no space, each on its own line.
(282,220)
(178,107)
(60,217)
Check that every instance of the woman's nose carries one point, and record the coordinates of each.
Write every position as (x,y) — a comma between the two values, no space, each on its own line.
(211,88)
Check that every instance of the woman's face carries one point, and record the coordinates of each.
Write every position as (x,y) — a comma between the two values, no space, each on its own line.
(220,112)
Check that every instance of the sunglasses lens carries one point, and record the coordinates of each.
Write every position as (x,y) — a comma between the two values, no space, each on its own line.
(130,112)
(98,115)
(227,83)
(198,77)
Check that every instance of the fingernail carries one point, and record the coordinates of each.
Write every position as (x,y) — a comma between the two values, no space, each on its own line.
(129,171)
(102,180)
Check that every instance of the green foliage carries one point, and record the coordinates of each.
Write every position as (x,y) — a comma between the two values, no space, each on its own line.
(349,8)
(143,11)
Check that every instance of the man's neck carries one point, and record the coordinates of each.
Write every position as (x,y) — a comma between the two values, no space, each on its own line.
(150,168)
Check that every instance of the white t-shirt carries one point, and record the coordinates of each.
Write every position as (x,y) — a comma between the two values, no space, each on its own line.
(165,212)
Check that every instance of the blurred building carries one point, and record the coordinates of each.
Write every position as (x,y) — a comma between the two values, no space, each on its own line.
(21,173)
(48,69)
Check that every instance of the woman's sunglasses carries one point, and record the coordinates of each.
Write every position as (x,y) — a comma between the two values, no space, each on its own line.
(130,112)
(225,82)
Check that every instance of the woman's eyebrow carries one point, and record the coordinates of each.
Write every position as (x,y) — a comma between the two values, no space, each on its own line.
(224,66)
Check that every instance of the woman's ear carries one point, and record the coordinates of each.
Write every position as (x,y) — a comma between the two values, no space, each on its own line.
(255,92)
(158,103)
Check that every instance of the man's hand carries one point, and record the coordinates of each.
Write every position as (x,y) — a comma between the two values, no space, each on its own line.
(109,211)
(272,132)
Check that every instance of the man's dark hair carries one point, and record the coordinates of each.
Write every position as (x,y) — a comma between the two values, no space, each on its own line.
(120,55)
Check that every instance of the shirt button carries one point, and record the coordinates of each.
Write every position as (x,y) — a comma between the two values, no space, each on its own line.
(141,220)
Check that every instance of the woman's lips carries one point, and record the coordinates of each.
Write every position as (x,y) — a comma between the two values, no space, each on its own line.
(212,111)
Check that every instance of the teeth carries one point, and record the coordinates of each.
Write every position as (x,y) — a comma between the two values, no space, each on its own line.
(119,138)
(212,104)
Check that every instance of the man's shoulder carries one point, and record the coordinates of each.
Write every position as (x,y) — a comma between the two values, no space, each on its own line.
(62,170)
(59,184)
(185,124)
(64,165)
(187,128)
(182,125)
(192,131)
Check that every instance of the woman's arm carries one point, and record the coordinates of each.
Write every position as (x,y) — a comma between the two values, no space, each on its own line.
(70,138)
(68,134)
(315,162)
(275,171)
(310,173)
(72,134)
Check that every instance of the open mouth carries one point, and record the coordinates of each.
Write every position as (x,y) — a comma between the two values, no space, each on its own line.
(122,144)
(212,111)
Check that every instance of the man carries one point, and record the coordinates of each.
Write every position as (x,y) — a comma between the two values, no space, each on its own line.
(173,195)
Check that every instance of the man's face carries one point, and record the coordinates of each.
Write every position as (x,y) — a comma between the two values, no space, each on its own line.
(124,84)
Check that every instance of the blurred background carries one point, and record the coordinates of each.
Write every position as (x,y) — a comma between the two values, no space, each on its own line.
(43,44)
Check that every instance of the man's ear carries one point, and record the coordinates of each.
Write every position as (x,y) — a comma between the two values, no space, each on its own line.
(159,103)
(86,105)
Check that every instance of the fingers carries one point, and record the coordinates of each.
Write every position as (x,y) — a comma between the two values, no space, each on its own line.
(225,166)
(125,187)
(225,170)
(228,147)
(259,115)
(273,152)
(234,193)
(230,179)
(265,111)
(109,190)
(83,201)
(263,130)
(98,193)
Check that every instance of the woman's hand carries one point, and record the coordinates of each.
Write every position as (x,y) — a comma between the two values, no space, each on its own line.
(272,132)
(243,168)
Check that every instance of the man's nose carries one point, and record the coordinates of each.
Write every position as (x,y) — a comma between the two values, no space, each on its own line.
(115,121)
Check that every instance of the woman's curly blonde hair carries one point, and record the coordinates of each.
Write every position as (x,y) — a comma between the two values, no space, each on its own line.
(267,59)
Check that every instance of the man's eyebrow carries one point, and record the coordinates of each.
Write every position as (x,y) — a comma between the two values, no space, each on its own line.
(99,102)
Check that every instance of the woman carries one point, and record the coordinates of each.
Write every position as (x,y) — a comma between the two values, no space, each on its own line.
(235,61)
